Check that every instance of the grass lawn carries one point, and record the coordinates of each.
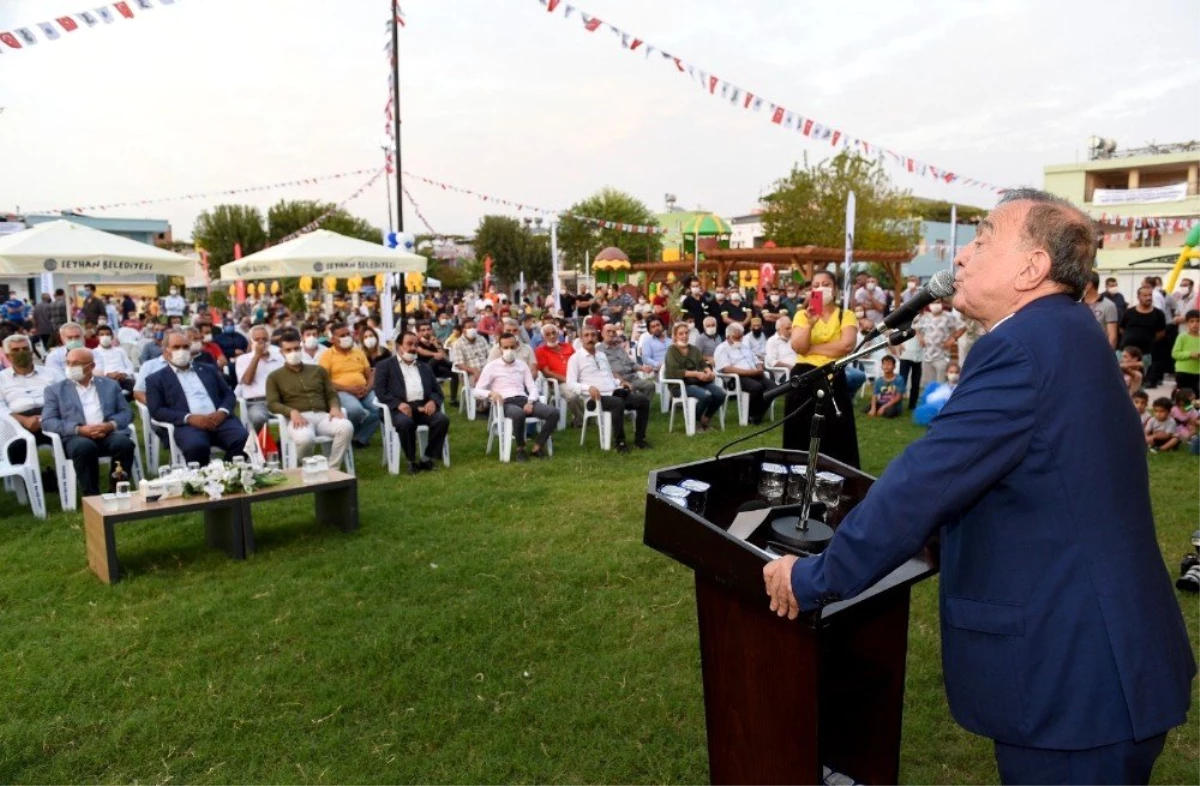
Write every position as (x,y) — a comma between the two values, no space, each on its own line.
(490,623)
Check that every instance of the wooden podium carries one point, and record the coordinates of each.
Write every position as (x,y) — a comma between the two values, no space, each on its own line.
(784,697)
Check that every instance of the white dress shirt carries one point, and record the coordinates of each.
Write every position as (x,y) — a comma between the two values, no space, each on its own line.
(89,397)
(315,358)
(198,400)
(257,388)
(113,359)
(22,392)
(507,379)
(174,305)
(779,350)
(757,344)
(414,388)
(738,356)
(586,371)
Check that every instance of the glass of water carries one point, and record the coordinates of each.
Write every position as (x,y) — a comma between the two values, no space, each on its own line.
(273,460)
(828,491)
(772,481)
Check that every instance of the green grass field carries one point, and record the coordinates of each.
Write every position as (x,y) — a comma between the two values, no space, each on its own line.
(490,623)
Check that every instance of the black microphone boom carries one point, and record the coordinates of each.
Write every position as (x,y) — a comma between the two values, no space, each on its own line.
(940,286)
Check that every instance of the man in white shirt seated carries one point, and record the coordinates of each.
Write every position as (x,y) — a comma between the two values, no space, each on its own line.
(509,381)
(588,374)
(311,349)
(734,356)
(408,388)
(756,339)
(112,361)
(252,369)
(653,344)
(23,392)
(779,354)
(70,336)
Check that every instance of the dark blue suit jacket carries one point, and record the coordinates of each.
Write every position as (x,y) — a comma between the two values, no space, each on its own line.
(166,400)
(390,388)
(1060,627)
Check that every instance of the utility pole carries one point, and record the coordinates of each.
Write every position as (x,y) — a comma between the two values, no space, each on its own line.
(396,129)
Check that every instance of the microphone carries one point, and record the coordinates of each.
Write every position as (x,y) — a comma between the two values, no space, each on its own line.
(940,286)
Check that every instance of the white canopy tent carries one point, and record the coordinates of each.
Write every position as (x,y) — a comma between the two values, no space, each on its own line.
(323,253)
(66,247)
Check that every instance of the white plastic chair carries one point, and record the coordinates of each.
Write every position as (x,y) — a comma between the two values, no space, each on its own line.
(500,427)
(392,450)
(466,401)
(674,394)
(870,367)
(742,399)
(29,472)
(593,411)
(777,376)
(551,392)
(290,456)
(68,482)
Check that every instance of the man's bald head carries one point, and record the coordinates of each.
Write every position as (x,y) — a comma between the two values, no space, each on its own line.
(79,357)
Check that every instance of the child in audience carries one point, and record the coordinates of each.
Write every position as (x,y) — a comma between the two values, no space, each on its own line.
(1160,430)
(888,397)
(1141,402)
(1132,368)
(1185,414)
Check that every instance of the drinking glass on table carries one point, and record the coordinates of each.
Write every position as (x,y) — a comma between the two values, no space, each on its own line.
(828,491)
(273,460)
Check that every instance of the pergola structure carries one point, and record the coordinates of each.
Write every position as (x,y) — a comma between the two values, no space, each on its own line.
(808,259)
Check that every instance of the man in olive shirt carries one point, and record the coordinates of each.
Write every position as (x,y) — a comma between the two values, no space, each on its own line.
(303,394)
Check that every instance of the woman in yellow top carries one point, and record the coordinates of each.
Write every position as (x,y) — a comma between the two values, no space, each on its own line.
(818,339)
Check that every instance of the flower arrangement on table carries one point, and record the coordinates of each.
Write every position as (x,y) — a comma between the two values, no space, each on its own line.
(220,478)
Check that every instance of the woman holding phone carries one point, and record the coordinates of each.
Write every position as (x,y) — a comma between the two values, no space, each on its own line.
(822,333)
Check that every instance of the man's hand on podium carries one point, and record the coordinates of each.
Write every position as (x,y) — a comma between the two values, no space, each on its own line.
(778,577)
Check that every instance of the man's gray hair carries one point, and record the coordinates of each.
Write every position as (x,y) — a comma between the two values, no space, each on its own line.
(14,339)
(174,332)
(263,328)
(1063,231)
(70,326)
(735,327)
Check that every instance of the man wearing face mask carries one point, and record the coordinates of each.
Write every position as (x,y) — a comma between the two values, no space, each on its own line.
(525,353)
(197,401)
(508,381)
(771,311)
(911,288)
(354,380)
(694,302)
(469,353)
(22,392)
(70,336)
(937,331)
(756,339)
(409,389)
(303,394)
(872,300)
(734,356)
(779,354)
(91,416)
(112,361)
(311,349)
(708,339)
(253,368)
(231,343)
(93,307)
(173,305)
(1112,293)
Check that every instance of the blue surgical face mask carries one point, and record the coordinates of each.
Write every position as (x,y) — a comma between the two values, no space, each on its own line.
(229,328)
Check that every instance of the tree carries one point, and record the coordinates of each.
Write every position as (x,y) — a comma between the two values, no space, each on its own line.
(462,275)
(219,229)
(576,238)
(808,207)
(513,249)
(288,216)
(937,210)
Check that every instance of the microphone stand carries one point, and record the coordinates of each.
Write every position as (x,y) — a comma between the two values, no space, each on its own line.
(803,532)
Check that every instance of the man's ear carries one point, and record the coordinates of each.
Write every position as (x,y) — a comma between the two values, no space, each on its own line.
(1033,271)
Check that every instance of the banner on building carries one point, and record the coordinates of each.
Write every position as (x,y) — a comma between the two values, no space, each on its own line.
(1140,196)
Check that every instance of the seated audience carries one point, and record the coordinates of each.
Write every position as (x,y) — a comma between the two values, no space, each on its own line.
(70,336)
(469,353)
(734,356)
(1161,432)
(756,339)
(312,349)
(552,359)
(373,348)
(112,361)
(508,381)
(23,391)
(354,380)
(707,341)
(303,394)
(643,379)
(1184,413)
(1132,368)
(779,353)
(253,368)
(197,401)
(525,353)
(91,416)
(1141,402)
(588,374)
(887,399)
(409,389)
(684,361)
(653,344)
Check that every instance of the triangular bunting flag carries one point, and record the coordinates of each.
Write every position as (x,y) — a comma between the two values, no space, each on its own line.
(67,23)
(48,30)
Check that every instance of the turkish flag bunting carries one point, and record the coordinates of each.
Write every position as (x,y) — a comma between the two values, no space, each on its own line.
(749,98)
(778,116)
(712,84)
(808,124)
(11,40)
(67,23)
(636,43)
(123,9)
(909,164)
(551,5)
(591,24)
(836,136)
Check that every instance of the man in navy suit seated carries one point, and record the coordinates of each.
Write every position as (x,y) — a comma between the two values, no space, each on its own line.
(197,401)
(90,414)
(411,392)
(1062,639)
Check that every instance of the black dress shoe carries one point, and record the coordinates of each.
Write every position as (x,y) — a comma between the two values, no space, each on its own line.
(414,468)
(540,453)
(520,456)
(427,465)
(622,447)
(642,444)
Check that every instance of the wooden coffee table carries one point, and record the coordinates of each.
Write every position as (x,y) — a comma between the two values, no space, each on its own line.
(228,523)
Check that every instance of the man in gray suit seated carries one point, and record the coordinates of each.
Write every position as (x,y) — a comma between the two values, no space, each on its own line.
(90,414)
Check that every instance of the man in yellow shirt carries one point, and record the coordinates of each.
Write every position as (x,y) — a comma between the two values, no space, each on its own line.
(354,380)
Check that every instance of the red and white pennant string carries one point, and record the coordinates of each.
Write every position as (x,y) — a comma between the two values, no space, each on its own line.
(748,100)
(600,222)
(1165,223)
(23,37)
(304,181)
(316,222)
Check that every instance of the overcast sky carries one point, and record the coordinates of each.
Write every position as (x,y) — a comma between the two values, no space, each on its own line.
(503,98)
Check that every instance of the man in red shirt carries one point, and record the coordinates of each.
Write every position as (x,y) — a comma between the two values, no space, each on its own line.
(552,356)
(488,324)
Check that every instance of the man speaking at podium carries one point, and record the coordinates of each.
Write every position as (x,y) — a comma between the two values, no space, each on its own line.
(1062,639)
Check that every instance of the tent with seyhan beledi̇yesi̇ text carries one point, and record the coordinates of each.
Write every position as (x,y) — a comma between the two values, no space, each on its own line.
(323,253)
(66,247)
